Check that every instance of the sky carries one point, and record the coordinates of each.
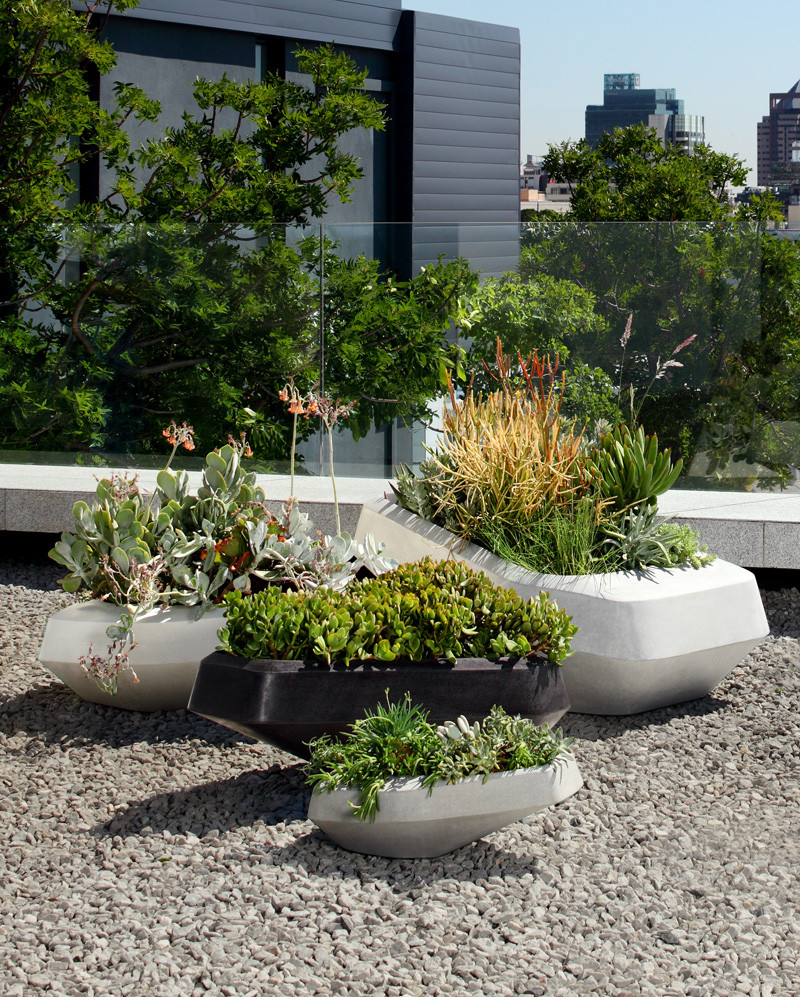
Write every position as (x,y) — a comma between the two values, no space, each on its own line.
(722,58)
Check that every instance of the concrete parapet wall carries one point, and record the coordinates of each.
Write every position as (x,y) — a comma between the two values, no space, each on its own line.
(751,530)
(39,499)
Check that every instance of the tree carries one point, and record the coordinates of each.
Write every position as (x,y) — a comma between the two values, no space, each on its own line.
(632,176)
(682,264)
(195,301)
(48,125)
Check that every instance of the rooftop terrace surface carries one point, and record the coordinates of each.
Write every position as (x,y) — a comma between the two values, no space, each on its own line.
(160,854)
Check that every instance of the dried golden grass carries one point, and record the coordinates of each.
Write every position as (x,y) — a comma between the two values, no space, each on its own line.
(508,455)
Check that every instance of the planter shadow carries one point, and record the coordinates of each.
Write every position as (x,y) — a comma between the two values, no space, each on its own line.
(54,714)
(473,863)
(273,796)
(596,727)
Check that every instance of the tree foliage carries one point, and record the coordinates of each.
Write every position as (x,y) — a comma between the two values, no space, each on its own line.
(632,176)
(188,294)
(709,355)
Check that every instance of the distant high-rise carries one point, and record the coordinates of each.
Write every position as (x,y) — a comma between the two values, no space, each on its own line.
(779,142)
(624,104)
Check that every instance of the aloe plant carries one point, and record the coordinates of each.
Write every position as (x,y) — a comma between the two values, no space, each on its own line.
(630,470)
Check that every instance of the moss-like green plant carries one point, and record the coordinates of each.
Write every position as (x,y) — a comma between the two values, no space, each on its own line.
(398,740)
(420,611)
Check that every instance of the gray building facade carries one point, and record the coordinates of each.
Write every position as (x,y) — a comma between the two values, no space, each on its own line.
(448,160)
(779,144)
(625,104)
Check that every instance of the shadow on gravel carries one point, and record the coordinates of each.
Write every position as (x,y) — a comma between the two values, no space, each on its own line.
(473,863)
(273,796)
(597,728)
(55,715)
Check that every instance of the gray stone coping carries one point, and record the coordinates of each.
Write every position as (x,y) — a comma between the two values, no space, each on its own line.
(755,530)
(39,498)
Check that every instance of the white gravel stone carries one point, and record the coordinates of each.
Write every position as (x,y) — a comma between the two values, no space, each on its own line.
(159,853)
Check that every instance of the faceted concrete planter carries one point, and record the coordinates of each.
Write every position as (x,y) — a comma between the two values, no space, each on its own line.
(413,823)
(646,639)
(169,646)
(287,703)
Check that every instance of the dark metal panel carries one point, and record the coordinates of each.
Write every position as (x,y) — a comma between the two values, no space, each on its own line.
(466,186)
(346,21)
(468,206)
(437,137)
(495,239)
(440,152)
(468,50)
(466,141)
(455,169)
(476,124)
(176,42)
(496,108)
(447,90)
(457,74)
(438,24)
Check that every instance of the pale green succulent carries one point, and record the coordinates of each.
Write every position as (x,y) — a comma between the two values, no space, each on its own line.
(180,548)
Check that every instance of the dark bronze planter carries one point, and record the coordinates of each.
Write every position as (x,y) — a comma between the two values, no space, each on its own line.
(287,703)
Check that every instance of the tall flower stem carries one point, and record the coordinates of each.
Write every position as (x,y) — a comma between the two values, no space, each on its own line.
(291,458)
(333,481)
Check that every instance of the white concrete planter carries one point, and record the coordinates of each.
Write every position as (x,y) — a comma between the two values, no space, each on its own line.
(415,823)
(646,639)
(169,646)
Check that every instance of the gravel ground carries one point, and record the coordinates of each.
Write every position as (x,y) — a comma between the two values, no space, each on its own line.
(162,855)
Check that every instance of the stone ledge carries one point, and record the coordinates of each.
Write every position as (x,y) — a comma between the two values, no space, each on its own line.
(39,499)
(751,530)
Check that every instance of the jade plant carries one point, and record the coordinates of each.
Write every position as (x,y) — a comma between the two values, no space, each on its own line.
(515,476)
(419,611)
(397,740)
(178,547)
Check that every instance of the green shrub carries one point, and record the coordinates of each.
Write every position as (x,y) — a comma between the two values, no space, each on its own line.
(420,611)
(399,741)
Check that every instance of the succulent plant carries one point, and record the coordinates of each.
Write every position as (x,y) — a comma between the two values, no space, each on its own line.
(630,471)
(179,548)
(397,740)
(640,540)
(420,611)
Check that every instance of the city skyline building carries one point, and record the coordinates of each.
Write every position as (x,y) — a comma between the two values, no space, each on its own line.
(625,104)
(778,145)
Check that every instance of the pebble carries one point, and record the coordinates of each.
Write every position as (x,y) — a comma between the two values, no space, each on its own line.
(159,853)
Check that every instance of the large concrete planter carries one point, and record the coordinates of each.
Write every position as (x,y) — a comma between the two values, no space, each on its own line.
(646,639)
(169,646)
(287,703)
(415,823)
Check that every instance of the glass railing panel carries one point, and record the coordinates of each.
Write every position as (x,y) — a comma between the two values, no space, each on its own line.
(121,329)
(652,323)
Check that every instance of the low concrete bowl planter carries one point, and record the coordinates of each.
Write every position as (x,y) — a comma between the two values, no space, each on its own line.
(646,639)
(287,703)
(170,644)
(414,823)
